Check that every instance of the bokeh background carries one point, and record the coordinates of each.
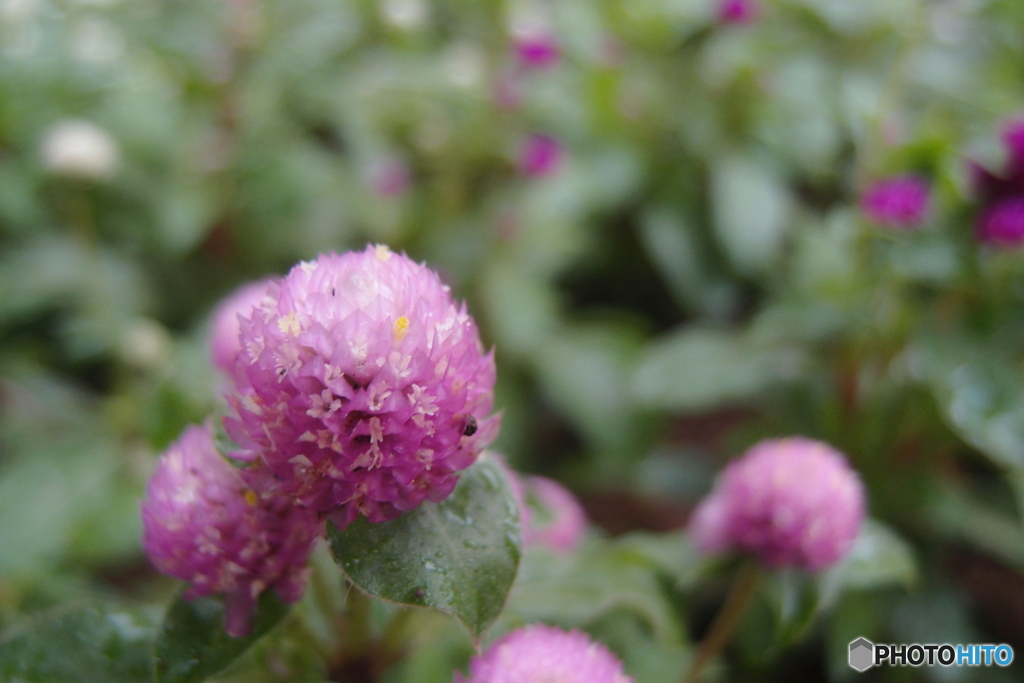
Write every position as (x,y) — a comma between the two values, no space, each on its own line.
(652,210)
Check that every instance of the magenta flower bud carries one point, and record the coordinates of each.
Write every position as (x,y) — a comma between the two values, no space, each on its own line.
(389,177)
(551,516)
(1013,140)
(203,523)
(791,502)
(540,653)
(363,386)
(1002,224)
(224,340)
(540,155)
(738,11)
(897,202)
(537,50)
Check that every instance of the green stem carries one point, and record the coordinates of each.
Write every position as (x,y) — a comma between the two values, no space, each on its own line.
(359,635)
(725,623)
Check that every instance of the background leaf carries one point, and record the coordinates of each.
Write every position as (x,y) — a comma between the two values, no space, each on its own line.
(193,644)
(79,644)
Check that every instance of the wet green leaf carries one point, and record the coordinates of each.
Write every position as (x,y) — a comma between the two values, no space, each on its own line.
(459,556)
(193,644)
(79,644)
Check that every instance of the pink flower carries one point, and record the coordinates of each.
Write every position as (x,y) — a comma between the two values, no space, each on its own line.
(389,177)
(551,516)
(203,523)
(540,653)
(224,342)
(897,202)
(1003,223)
(537,50)
(541,155)
(791,502)
(363,386)
(738,11)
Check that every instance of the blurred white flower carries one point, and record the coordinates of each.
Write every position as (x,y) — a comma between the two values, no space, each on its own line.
(95,41)
(80,149)
(407,15)
(465,65)
(145,344)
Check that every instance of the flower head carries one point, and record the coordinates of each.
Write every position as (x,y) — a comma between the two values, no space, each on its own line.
(224,340)
(362,385)
(738,11)
(537,50)
(550,515)
(791,502)
(389,177)
(540,155)
(1002,224)
(544,654)
(205,524)
(897,202)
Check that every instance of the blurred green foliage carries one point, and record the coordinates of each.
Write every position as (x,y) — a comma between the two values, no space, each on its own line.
(693,277)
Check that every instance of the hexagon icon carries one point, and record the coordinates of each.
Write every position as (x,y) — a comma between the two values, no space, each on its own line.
(862,654)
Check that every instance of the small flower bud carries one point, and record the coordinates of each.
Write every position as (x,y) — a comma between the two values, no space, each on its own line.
(791,502)
(540,155)
(545,653)
(897,202)
(1002,224)
(738,11)
(224,332)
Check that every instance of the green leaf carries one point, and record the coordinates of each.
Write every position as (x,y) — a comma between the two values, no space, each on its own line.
(601,578)
(879,557)
(459,556)
(79,644)
(699,368)
(751,208)
(193,644)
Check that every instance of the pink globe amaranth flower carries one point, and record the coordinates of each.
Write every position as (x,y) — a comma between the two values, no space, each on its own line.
(1002,224)
(363,386)
(537,50)
(205,524)
(540,155)
(389,177)
(791,502)
(544,654)
(551,516)
(738,11)
(224,340)
(897,202)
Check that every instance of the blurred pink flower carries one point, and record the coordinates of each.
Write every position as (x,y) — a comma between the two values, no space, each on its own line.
(790,502)
(204,523)
(1000,218)
(537,50)
(224,341)
(897,202)
(541,653)
(1002,224)
(540,155)
(738,11)
(389,177)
